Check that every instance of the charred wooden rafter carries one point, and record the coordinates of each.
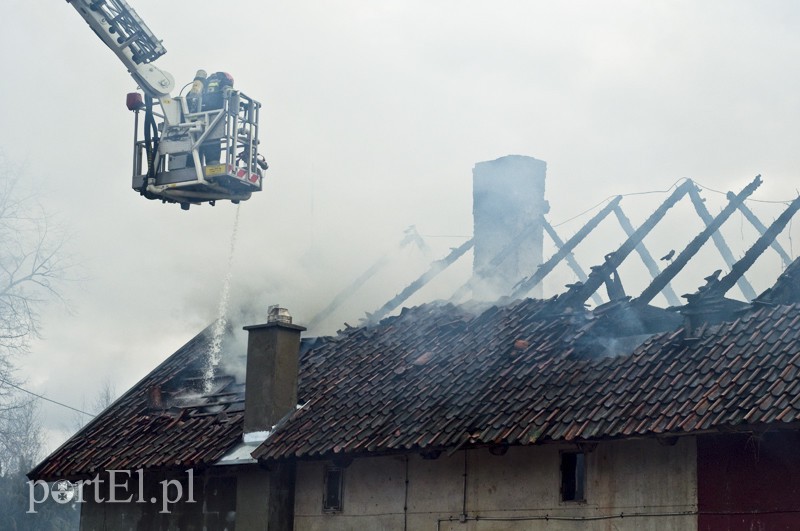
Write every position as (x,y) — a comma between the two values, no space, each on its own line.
(708,305)
(411,237)
(719,240)
(588,285)
(751,217)
(646,257)
(579,293)
(526,285)
(749,258)
(436,267)
(570,258)
(694,246)
(348,292)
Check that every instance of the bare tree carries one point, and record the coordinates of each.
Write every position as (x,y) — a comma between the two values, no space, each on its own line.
(20,437)
(33,262)
(32,265)
(20,450)
(104,397)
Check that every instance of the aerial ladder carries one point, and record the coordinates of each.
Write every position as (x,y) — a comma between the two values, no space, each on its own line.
(184,151)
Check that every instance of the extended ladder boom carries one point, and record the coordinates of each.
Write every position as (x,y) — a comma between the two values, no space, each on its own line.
(126,34)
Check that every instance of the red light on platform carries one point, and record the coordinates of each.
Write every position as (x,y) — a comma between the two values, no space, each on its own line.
(134,101)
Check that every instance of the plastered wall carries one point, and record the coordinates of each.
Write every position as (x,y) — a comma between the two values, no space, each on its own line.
(649,484)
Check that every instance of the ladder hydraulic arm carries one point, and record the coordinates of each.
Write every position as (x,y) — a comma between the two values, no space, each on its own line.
(126,34)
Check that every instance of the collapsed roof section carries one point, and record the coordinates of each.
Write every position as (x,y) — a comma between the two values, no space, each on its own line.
(605,274)
(439,377)
(786,290)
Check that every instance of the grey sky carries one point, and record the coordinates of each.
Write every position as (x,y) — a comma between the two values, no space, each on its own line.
(374,114)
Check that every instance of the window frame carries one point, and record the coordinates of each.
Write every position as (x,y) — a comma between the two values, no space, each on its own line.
(576,474)
(329,471)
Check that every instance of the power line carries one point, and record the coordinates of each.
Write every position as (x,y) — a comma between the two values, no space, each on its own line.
(45,398)
(615,195)
(748,199)
(786,202)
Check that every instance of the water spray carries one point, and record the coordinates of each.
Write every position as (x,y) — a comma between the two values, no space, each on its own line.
(214,354)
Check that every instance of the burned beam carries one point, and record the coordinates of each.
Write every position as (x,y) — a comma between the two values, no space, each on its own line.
(436,267)
(578,294)
(570,259)
(646,257)
(526,285)
(348,292)
(694,246)
(411,237)
(751,217)
(720,242)
(749,258)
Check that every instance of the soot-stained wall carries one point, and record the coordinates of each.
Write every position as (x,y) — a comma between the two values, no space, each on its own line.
(630,486)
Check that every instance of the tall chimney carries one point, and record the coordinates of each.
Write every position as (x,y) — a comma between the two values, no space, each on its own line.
(507,205)
(272,364)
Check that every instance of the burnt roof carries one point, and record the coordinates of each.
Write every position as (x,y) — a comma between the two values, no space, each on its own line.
(440,377)
(786,290)
(165,420)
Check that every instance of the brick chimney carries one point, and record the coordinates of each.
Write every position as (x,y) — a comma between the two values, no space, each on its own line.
(507,205)
(272,364)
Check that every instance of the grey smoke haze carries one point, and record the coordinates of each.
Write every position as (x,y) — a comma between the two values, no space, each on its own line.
(374,115)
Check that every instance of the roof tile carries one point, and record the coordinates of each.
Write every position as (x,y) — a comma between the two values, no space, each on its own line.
(481,385)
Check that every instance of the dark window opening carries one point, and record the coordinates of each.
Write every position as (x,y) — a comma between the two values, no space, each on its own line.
(332,492)
(573,476)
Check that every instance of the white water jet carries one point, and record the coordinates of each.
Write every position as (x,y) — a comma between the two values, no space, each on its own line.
(214,353)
